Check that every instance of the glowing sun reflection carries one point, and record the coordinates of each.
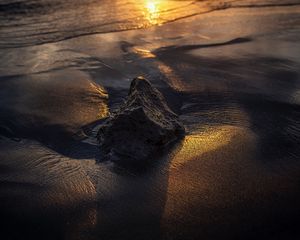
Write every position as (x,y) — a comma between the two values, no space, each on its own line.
(152,11)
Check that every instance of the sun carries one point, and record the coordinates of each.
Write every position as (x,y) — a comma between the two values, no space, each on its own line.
(152,9)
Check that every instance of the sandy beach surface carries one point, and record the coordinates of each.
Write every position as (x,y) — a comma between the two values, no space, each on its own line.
(229,69)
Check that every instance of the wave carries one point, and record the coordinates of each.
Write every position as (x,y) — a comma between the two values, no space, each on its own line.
(28,23)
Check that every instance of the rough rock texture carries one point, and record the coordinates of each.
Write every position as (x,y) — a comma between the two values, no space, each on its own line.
(142,126)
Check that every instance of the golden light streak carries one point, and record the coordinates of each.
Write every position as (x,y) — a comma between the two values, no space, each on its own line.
(152,11)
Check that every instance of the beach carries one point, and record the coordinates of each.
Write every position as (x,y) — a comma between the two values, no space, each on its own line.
(228,69)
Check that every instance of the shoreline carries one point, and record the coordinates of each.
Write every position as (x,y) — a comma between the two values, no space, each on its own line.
(236,173)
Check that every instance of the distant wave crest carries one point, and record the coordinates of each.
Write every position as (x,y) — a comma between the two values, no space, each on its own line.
(33,22)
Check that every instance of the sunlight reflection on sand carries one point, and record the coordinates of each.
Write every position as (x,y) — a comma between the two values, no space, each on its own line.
(196,145)
(203,171)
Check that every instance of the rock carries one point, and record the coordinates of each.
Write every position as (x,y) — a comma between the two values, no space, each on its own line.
(141,127)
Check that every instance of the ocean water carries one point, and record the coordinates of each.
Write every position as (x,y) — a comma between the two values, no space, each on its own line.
(29,22)
(229,69)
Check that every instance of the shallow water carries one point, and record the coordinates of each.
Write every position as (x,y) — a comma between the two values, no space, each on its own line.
(229,69)
(27,23)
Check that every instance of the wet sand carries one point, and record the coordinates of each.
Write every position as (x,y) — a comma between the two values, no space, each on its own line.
(233,78)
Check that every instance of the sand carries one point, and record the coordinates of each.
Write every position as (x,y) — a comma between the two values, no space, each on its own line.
(233,78)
